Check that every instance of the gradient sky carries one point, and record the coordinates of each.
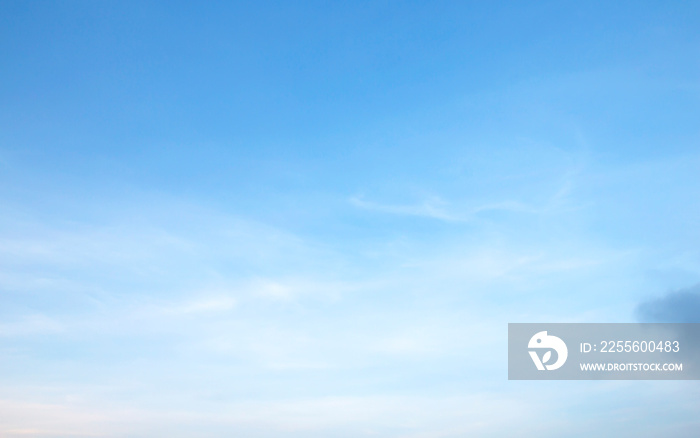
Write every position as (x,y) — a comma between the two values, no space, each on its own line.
(315,219)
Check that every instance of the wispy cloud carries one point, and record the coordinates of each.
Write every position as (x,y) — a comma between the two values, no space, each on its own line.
(438,208)
(203,305)
(31,325)
(432,208)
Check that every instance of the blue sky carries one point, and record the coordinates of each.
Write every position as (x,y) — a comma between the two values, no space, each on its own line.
(315,219)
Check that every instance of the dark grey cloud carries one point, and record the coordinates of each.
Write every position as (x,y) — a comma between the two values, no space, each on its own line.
(682,306)
(679,306)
